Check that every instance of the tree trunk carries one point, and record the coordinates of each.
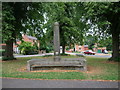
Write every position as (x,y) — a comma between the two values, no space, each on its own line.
(63,49)
(9,50)
(115,47)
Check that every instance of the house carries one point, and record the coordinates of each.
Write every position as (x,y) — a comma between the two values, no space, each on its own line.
(25,38)
(78,48)
(100,49)
(85,47)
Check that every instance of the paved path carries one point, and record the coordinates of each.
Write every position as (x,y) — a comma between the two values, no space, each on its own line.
(97,55)
(33,55)
(20,83)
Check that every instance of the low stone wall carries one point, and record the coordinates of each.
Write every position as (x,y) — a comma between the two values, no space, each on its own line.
(63,64)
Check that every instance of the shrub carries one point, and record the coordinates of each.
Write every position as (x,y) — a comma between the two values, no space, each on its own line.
(26,48)
(8,58)
(2,51)
(46,48)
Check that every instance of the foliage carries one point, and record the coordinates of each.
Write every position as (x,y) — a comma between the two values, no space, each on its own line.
(12,25)
(35,46)
(75,20)
(26,48)
(7,58)
(103,42)
(25,20)
(47,48)
(7,18)
(35,24)
(90,41)
(106,10)
(15,22)
(103,19)
(107,42)
(64,13)
(2,51)
(45,43)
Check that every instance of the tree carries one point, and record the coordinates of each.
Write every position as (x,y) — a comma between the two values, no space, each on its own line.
(64,13)
(106,42)
(90,41)
(105,17)
(16,18)
(8,29)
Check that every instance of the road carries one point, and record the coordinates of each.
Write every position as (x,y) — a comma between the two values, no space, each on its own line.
(97,55)
(33,55)
(21,83)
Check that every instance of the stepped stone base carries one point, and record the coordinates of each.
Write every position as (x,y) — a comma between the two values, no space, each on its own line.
(63,64)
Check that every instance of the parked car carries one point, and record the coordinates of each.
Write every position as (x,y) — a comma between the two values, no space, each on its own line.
(90,52)
(105,51)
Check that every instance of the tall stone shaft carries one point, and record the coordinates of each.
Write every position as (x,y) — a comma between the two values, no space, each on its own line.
(56,42)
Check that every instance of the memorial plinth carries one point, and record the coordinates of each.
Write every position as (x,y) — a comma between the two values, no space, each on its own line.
(57,62)
(56,42)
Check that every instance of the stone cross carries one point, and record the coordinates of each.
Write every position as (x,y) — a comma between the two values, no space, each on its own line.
(56,42)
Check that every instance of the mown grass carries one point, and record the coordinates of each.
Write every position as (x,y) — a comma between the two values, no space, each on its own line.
(102,69)
(98,69)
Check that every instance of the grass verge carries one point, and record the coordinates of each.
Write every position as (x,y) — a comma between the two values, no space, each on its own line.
(98,69)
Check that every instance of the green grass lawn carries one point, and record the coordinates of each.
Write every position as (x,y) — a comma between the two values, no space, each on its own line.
(98,69)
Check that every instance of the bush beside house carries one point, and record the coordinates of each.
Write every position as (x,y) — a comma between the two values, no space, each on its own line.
(26,48)
(2,51)
(30,47)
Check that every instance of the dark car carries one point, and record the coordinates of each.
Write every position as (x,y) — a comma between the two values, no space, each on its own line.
(89,52)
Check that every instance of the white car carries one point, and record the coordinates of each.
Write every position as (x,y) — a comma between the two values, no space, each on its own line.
(105,51)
